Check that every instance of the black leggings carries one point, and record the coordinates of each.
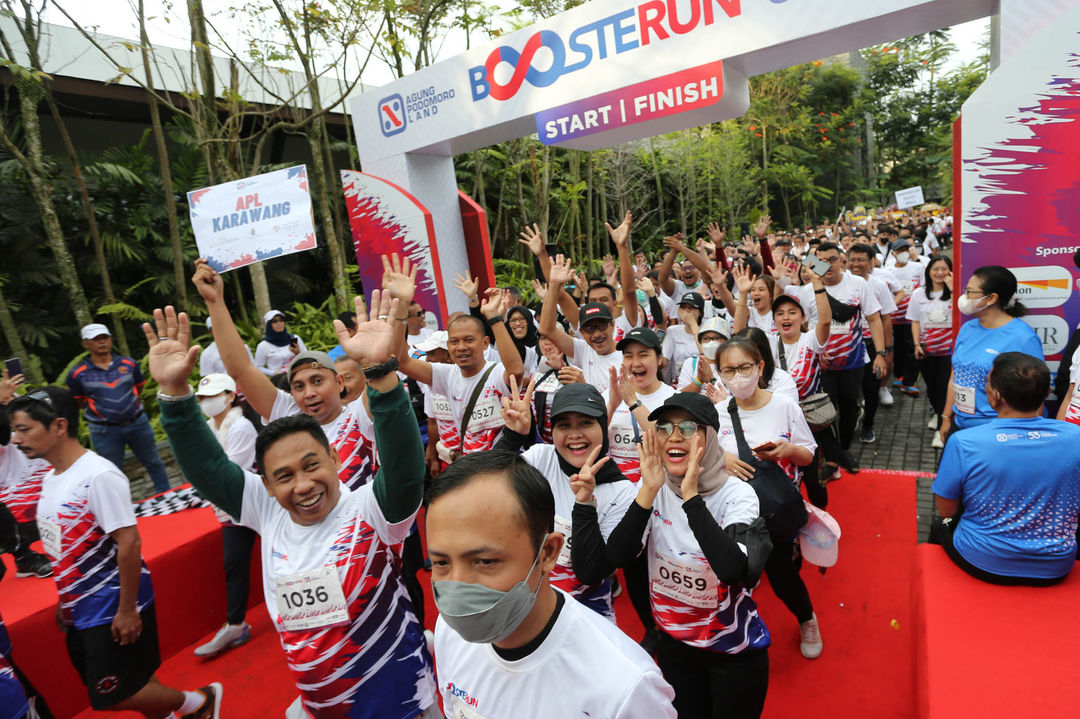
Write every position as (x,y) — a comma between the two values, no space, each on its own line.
(904,366)
(844,388)
(636,574)
(941,533)
(813,475)
(714,685)
(871,384)
(936,371)
(238,543)
(782,569)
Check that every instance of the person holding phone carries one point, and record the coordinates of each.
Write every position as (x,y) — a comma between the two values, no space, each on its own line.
(776,429)
(277,348)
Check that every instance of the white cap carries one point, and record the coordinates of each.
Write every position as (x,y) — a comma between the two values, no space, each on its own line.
(819,539)
(209,323)
(213,384)
(715,324)
(89,332)
(271,315)
(435,340)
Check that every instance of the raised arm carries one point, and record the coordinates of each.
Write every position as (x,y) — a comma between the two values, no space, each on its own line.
(743,281)
(821,301)
(495,307)
(200,456)
(532,238)
(560,273)
(256,386)
(620,236)
(399,281)
(667,284)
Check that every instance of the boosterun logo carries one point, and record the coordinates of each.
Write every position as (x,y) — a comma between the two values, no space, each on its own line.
(621,32)
(392,115)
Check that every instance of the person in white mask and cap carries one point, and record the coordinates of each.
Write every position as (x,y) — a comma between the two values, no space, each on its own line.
(700,370)
(511,646)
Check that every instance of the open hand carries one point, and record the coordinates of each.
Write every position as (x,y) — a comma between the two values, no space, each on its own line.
(170,359)
(533,239)
(762,226)
(742,470)
(561,271)
(372,344)
(689,487)
(651,465)
(716,233)
(743,279)
(468,287)
(399,280)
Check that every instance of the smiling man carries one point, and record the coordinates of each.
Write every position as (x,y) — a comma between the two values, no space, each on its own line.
(330,554)
(509,644)
(315,387)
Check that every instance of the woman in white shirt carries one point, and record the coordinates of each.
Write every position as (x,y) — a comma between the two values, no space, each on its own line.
(930,312)
(277,347)
(216,394)
(680,341)
(633,392)
(773,424)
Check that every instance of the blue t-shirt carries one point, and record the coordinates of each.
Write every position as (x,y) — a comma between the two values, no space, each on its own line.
(337,353)
(109,395)
(973,356)
(1019,483)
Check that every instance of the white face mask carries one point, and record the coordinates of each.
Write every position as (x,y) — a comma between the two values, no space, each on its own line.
(710,348)
(902,259)
(743,387)
(968,306)
(213,406)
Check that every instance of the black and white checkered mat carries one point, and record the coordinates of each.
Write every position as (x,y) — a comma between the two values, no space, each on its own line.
(174,500)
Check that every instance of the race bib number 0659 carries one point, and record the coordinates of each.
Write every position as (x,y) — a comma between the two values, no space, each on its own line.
(692,584)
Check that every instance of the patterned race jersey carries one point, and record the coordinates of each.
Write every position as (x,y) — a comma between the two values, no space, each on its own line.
(13,701)
(801,360)
(77,511)
(110,395)
(910,277)
(351,434)
(846,348)
(20,482)
(485,421)
(334,593)
(934,316)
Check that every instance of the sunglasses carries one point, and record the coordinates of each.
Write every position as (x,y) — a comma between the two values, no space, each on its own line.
(43,397)
(687,428)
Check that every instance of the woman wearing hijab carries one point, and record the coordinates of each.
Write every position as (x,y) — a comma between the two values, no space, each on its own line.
(522,328)
(577,466)
(277,347)
(776,429)
(706,547)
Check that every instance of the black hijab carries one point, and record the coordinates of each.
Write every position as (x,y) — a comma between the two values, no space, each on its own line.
(610,472)
(531,335)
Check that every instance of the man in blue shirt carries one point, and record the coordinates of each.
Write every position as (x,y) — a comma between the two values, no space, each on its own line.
(107,385)
(1017,480)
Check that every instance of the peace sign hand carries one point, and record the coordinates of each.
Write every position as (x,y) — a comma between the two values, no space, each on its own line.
(517,410)
(583,484)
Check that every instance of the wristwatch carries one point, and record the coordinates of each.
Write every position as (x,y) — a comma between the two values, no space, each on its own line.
(881,353)
(634,406)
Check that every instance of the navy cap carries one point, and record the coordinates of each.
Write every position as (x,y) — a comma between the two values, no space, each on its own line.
(901,244)
(643,335)
(693,299)
(698,405)
(594,311)
(578,397)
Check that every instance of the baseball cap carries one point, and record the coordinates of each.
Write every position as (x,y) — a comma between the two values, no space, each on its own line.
(698,405)
(578,397)
(786,299)
(271,315)
(209,323)
(435,341)
(819,539)
(715,324)
(900,245)
(644,335)
(89,332)
(693,299)
(312,359)
(215,383)
(594,311)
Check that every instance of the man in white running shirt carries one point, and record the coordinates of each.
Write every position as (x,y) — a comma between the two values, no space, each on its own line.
(510,646)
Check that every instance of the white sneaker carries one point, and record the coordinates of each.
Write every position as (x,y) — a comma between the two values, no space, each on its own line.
(810,641)
(885,396)
(932,424)
(229,636)
(936,442)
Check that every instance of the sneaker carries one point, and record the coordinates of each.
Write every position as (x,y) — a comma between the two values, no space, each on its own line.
(910,391)
(849,463)
(897,383)
(885,396)
(33,565)
(228,637)
(810,641)
(867,436)
(936,442)
(933,423)
(211,708)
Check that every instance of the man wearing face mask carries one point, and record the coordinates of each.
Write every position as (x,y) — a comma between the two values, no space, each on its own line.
(700,370)
(509,644)
(910,275)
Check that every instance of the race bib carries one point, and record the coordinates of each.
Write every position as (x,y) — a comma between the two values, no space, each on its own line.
(692,584)
(564,528)
(550,384)
(440,407)
(309,600)
(621,441)
(965,399)
(938,314)
(908,287)
(50,537)
(486,415)
(836,327)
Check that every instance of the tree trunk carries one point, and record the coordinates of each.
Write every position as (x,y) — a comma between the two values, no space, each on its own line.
(656,179)
(164,169)
(261,290)
(589,205)
(11,334)
(322,203)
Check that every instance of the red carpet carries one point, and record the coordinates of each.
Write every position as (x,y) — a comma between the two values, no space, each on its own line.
(862,604)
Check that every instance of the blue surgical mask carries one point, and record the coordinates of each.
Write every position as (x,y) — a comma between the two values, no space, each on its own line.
(642,298)
(483,615)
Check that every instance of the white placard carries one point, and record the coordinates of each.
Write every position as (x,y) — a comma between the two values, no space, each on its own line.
(911,197)
(247,221)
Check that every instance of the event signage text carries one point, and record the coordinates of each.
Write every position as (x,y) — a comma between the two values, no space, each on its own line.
(247,221)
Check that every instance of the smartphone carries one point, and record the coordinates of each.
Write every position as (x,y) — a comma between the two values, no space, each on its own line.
(14,366)
(744,229)
(818,266)
(765,447)
(294,342)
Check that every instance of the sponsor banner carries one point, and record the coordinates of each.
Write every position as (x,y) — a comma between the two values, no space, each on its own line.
(1052,330)
(1043,287)
(247,221)
(691,89)
(911,197)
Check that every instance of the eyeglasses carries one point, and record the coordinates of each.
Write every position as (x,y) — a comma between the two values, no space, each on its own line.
(744,369)
(43,397)
(974,293)
(687,428)
(518,321)
(415,314)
